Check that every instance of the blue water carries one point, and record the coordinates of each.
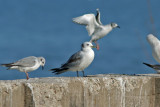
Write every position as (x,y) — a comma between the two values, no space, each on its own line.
(45,28)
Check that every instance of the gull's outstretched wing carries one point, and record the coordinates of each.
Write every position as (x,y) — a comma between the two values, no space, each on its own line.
(89,21)
(98,17)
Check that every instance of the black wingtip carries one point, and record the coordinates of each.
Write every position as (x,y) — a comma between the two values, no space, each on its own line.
(7,65)
(148,64)
(144,63)
(58,71)
(54,69)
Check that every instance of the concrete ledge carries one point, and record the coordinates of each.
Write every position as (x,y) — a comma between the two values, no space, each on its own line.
(98,91)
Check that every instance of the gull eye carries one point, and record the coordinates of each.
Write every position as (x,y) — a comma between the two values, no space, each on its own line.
(87,44)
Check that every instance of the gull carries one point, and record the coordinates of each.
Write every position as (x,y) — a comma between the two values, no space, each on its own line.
(94,26)
(155,67)
(155,45)
(27,64)
(78,61)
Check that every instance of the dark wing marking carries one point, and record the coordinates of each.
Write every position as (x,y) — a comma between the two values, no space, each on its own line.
(74,60)
(25,62)
(156,67)
(98,17)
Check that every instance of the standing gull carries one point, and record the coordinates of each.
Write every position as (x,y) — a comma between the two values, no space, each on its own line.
(155,45)
(78,61)
(94,26)
(27,64)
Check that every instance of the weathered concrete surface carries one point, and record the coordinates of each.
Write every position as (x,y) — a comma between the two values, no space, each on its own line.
(100,91)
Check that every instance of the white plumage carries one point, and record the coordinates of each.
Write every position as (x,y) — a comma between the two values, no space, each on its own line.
(94,26)
(155,45)
(27,64)
(78,61)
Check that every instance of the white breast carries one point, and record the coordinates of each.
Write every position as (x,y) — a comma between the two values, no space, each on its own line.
(101,33)
(87,60)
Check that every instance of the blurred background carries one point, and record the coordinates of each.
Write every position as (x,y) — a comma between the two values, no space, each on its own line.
(45,28)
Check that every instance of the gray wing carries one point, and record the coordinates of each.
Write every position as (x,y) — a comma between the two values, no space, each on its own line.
(26,62)
(89,20)
(98,17)
(74,60)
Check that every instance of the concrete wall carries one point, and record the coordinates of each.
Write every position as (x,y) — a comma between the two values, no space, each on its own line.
(100,91)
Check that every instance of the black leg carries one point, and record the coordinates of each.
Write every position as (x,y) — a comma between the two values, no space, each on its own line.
(77,74)
(83,73)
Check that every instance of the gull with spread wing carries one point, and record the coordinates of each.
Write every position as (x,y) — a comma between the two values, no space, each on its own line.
(94,26)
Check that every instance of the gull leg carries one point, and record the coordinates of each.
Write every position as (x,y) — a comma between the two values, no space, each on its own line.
(77,74)
(83,73)
(27,75)
(97,45)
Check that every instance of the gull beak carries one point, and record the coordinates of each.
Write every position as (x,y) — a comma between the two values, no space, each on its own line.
(42,67)
(118,26)
(93,47)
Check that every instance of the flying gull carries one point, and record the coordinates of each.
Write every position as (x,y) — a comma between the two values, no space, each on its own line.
(94,26)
